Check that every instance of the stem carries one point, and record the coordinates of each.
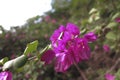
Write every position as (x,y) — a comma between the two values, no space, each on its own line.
(113,3)
(31,58)
(81,72)
(112,68)
(0,69)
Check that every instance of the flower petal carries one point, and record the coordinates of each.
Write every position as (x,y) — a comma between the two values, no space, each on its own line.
(106,48)
(63,62)
(6,75)
(48,56)
(73,29)
(82,49)
(117,20)
(90,36)
(109,77)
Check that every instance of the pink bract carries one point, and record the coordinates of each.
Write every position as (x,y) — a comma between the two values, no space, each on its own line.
(69,48)
(48,56)
(6,75)
(109,77)
(90,36)
(106,48)
(117,19)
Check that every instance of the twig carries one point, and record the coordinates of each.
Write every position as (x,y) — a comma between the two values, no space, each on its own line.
(0,69)
(111,69)
(113,4)
(114,66)
(81,72)
(31,58)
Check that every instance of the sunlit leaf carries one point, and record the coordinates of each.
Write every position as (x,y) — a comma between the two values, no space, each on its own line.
(43,50)
(93,10)
(20,61)
(115,16)
(2,61)
(31,47)
(8,64)
(111,36)
(15,63)
(112,25)
(97,29)
(83,31)
(118,75)
(90,20)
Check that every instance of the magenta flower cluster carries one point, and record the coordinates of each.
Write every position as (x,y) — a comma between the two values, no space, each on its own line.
(117,19)
(68,47)
(109,77)
(5,75)
(106,48)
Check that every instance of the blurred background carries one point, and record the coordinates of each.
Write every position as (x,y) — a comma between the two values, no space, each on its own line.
(98,16)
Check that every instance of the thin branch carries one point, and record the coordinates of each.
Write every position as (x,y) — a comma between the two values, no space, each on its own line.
(113,4)
(111,69)
(114,66)
(81,72)
(31,58)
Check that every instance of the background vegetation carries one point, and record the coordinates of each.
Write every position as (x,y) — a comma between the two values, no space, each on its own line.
(90,15)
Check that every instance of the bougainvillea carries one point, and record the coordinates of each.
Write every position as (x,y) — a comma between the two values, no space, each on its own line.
(49,54)
(69,48)
(117,20)
(109,77)
(106,48)
(6,75)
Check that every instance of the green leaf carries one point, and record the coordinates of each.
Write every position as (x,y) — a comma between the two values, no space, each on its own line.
(112,25)
(2,61)
(115,16)
(31,47)
(93,10)
(117,74)
(8,64)
(15,63)
(20,61)
(111,36)
(83,31)
(97,29)
(43,50)
(90,20)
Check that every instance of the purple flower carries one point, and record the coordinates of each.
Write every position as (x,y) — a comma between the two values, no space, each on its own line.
(73,29)
(6,75)
(117,20)
(82,49)
(90,36)
(63,62)
(48,56)
(47,18)
(106,48)
(73,51)
(109,77)
(57,34)
(53,21)
(69,48)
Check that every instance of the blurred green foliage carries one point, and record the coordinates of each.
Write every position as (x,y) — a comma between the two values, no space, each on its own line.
(90,15)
